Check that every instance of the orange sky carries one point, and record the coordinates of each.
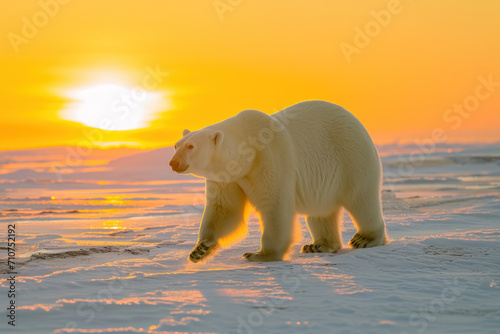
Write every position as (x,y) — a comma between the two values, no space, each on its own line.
(257,54)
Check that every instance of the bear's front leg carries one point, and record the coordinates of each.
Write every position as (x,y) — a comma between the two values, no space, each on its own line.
(222,219)
(277,231)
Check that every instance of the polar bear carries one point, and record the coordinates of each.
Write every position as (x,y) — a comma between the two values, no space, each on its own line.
(313,158)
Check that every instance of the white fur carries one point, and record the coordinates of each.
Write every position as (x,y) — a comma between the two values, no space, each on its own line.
(313,158)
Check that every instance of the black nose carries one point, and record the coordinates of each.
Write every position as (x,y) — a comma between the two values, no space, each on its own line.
(174,164)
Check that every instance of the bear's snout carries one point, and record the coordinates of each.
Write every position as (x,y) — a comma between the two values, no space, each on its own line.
(174,164)
(177,166)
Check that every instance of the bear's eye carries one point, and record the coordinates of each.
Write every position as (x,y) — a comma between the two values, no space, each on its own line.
(189,147)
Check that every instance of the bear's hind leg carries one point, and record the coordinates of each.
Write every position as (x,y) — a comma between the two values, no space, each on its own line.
(325,232)
(367,216)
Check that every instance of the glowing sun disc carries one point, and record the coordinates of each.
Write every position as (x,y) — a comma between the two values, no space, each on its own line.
(113,107)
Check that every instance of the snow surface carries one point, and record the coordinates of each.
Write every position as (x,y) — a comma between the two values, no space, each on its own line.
(102,247)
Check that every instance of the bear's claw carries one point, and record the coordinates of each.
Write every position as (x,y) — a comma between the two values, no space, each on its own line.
(317,248)
(361,241)
(199,252)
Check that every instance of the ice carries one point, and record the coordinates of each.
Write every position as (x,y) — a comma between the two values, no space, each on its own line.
(105,250)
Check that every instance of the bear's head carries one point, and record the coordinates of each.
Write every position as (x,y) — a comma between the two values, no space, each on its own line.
(210,154)
(195,151)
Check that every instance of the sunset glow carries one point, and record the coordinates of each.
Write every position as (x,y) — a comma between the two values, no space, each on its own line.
(403,68)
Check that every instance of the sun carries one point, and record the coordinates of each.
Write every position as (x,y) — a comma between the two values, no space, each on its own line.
(113,107)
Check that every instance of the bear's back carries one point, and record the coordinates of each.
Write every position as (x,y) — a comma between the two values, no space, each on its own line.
(323,127)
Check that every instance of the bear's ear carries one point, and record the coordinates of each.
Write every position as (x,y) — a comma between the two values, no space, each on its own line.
(217,137)
(185,132)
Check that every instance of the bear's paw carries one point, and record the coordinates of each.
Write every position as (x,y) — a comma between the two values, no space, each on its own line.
(368,240)
(260,257)
(200,251)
